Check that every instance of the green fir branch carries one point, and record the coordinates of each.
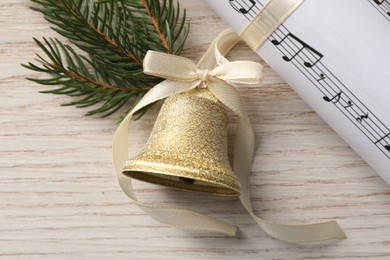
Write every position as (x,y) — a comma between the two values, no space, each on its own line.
(110,39)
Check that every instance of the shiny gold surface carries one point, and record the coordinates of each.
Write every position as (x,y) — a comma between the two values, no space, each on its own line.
(187,148)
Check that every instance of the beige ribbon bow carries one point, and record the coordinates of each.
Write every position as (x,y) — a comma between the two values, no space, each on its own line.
(183,75)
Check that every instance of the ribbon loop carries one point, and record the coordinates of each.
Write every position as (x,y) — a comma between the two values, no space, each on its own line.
(182,69)
(170,66)
(243,72)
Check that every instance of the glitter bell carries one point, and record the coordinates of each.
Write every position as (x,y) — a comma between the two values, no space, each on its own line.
(187,148)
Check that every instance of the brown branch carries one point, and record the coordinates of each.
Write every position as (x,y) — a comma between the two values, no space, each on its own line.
(155,24)
(127,53)
(79,77)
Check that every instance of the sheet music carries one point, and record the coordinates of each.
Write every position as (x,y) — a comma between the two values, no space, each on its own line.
(383,6)
(335,54)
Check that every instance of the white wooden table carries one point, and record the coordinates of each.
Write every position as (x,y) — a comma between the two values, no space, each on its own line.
(59,198)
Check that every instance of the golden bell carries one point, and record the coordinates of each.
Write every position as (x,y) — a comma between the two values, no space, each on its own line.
(187,148)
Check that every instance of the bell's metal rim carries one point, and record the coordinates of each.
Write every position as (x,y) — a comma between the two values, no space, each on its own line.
(148,171)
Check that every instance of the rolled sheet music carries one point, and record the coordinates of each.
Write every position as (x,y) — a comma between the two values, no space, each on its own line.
(335,55)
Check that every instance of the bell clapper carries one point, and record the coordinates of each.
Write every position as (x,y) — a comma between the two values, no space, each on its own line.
(186,181)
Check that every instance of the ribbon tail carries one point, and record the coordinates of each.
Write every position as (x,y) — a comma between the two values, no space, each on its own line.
(228,95)
(223,42)
(243,156)
(174,217)
(291,233)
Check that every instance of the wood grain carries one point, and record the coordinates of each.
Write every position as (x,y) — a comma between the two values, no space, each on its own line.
(60,200)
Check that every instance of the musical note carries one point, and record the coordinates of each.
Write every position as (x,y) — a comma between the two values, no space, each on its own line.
(240,8)
(378,2)
(387,147)
(334,99)
(360,118)
(322,77)
(377,141)
(276,42)
(383,7)
(304,45)
(382,138)
(349,104)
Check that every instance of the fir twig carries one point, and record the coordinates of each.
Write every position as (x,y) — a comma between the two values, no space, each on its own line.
(110,39)
(156,25)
